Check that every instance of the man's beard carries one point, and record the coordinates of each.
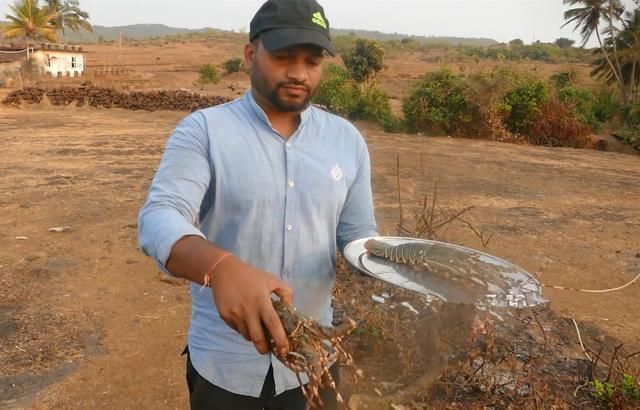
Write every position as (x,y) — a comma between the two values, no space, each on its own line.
(271,94)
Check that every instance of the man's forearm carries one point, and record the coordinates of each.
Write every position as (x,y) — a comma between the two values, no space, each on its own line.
(193,257)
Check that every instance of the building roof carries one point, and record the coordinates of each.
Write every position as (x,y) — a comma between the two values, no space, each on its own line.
(9,56)
(7,48)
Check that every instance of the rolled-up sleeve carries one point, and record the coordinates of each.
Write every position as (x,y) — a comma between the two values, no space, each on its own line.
(357,219)
(177,190)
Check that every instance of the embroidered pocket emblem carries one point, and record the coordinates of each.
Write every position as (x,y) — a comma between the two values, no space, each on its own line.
(336,173)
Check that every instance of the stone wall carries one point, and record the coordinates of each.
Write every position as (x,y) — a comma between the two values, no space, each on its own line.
(170,100)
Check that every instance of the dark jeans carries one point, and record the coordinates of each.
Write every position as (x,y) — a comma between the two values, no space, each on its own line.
(206,396)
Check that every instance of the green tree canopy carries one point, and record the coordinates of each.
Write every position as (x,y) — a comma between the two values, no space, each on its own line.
(364,61)
(563,42)
(516,43)
(587,15)
(68,14)
(30,21)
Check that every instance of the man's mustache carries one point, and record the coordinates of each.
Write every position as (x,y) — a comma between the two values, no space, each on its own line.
(294,83)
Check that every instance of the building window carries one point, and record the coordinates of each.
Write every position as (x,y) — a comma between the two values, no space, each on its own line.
(73,62)
(47,60)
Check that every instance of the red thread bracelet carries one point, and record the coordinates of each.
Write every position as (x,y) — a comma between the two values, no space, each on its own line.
(207,277)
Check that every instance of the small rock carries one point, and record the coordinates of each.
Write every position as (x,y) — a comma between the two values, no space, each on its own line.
(171,280)
(408,306)
(378,299)
(59,229)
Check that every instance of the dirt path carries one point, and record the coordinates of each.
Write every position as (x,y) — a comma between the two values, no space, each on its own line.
(85,322)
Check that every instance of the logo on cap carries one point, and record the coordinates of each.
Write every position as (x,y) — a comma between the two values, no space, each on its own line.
(319,20)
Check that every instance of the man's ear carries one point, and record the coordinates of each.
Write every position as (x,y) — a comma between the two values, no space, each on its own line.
(249,54)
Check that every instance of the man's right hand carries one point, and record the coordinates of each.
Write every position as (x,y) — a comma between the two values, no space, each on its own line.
(242,295)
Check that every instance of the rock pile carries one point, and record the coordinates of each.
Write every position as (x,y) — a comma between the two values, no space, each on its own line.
(172,100)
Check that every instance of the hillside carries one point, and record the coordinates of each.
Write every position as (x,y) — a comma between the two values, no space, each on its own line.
(133,32)
(148,31)
(377,35)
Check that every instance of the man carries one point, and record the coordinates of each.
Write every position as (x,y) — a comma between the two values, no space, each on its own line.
(254,198)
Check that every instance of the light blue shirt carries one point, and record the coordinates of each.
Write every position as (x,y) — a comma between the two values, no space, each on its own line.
(284,206)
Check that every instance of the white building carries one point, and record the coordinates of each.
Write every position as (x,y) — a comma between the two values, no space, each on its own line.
(57,60)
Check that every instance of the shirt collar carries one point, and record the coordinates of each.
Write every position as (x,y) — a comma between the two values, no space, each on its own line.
(259,112)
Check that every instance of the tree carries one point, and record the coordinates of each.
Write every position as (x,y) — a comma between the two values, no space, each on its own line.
(628,46)
(69,15)
(587,17)
(516,43)
(364,61)
(563,42)
(30,21)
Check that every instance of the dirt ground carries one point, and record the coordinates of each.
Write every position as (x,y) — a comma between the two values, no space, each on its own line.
(86,323)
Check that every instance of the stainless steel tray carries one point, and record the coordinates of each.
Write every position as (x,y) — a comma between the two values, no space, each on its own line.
(451,273)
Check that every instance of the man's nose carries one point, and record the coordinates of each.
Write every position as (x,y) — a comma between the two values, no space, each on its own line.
(297,70)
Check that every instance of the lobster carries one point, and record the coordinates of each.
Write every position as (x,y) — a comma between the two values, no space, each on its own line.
(312,349)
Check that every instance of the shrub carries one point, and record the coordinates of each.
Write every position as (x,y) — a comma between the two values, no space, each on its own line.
(441,101)
(209,74)
(629,136)
(606,105)
(582,103)
(490,87)
(336,91)
(233,65)
(392,123)
(557,126)
(563,78)
(341,95)
(371,104)
(522,105)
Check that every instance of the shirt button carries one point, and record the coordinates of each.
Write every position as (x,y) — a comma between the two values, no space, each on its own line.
(291,183)
(288,145)
(289,227)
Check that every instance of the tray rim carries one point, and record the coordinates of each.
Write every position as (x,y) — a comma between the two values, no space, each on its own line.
(356,262)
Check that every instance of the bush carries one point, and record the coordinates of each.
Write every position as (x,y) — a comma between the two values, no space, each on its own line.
(490,87)
(563,78)
(629,136)
(336,91)
(341,95)
(371,104)
(442,102)
(539,52)
(582,103)
(233,65)
(606,106)
(522,105)
(392,123)
(557,126)
(209,74)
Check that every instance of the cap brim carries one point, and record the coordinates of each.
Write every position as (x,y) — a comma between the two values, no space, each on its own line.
(277,39)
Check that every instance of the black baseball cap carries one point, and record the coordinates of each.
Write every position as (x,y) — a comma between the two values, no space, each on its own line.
(284,23)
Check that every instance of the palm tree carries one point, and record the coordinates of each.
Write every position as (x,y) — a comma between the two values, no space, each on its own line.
(30,22)
(69,14)
(587,18)
(627,42)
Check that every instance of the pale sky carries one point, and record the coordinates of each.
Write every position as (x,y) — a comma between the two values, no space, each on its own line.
(502,20)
